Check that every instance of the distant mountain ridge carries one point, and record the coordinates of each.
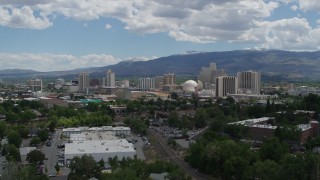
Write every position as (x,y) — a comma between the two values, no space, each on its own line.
(293,64)
(270,62)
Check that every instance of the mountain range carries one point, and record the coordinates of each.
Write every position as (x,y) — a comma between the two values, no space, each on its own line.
(289,64)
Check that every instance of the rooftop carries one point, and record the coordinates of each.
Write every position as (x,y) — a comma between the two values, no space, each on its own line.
(99,146)
(252,121)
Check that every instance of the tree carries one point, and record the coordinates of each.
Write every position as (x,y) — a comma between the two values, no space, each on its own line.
(201,118)
(35,156)
(265,170)
(178,174)
(3,128)
(11,152)
(84,166)
(35,141)
(43,134)
(57,167)
(14,138)
(271,149)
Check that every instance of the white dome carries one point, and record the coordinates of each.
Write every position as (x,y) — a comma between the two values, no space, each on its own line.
(190,86)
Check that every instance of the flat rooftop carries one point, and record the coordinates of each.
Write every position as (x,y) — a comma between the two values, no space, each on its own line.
(252,121)
(99,146)
(96,129)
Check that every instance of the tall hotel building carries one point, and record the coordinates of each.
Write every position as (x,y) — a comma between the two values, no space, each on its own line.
(249,82)
(35,85)
(226,85)
(158,82)
(146,83)
(208,75)
(109,80)
(169,79)
(83,83)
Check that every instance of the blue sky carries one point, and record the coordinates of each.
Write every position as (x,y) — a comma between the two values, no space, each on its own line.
(47,35)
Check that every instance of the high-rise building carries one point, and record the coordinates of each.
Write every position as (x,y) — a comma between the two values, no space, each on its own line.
(59,83)
(208,75)
(83,82)
(158,82)
(146,83)
(249,82)
(226,85)
(169,79)
(126,83)
(35,85)
(110,79)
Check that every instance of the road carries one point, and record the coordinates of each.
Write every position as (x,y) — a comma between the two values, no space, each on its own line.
(51,153)
(176,159)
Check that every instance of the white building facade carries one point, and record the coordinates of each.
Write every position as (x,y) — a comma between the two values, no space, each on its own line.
(226,85)
(83,82)
(147,83)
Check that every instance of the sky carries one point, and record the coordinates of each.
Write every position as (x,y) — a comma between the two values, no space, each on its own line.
(50,35)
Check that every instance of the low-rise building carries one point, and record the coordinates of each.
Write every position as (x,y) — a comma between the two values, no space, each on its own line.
(99,149)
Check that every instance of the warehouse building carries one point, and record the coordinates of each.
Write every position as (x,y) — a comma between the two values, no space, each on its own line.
(99,149)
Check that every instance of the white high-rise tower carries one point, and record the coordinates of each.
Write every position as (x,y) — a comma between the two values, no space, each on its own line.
(83,82)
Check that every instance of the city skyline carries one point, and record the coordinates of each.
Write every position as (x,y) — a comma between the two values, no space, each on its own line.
(61,35)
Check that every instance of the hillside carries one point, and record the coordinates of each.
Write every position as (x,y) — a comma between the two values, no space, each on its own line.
(292,64)
(270,62)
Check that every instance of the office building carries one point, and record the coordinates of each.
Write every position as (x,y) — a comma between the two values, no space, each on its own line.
(35,85)
(249,82)
(126,83)
(110,79)
(169,79)
(207,75)
(226,85)
(59,83)
(146,83)
(158,82)
(83,82)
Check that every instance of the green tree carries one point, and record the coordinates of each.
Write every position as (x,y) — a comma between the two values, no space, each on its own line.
(266,170)
(272,149)
(35,156)
(201,118)
(3,128)
(11,152)
(57,167)
(14,138)
(35,141)
(43,134)
(84,166)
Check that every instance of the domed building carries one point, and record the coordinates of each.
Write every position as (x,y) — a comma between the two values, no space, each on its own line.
(190,86)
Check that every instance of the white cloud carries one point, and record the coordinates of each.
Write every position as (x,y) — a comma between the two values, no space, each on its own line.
(199,21)
(108,26)
(52,62)
(309,5)
(22,17)
(294,7)
(292,34)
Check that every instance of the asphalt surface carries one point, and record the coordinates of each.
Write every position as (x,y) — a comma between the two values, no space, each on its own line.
(176,159)
(51,155)
(139,147)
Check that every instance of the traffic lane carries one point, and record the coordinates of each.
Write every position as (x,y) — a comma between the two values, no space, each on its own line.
(51,153)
